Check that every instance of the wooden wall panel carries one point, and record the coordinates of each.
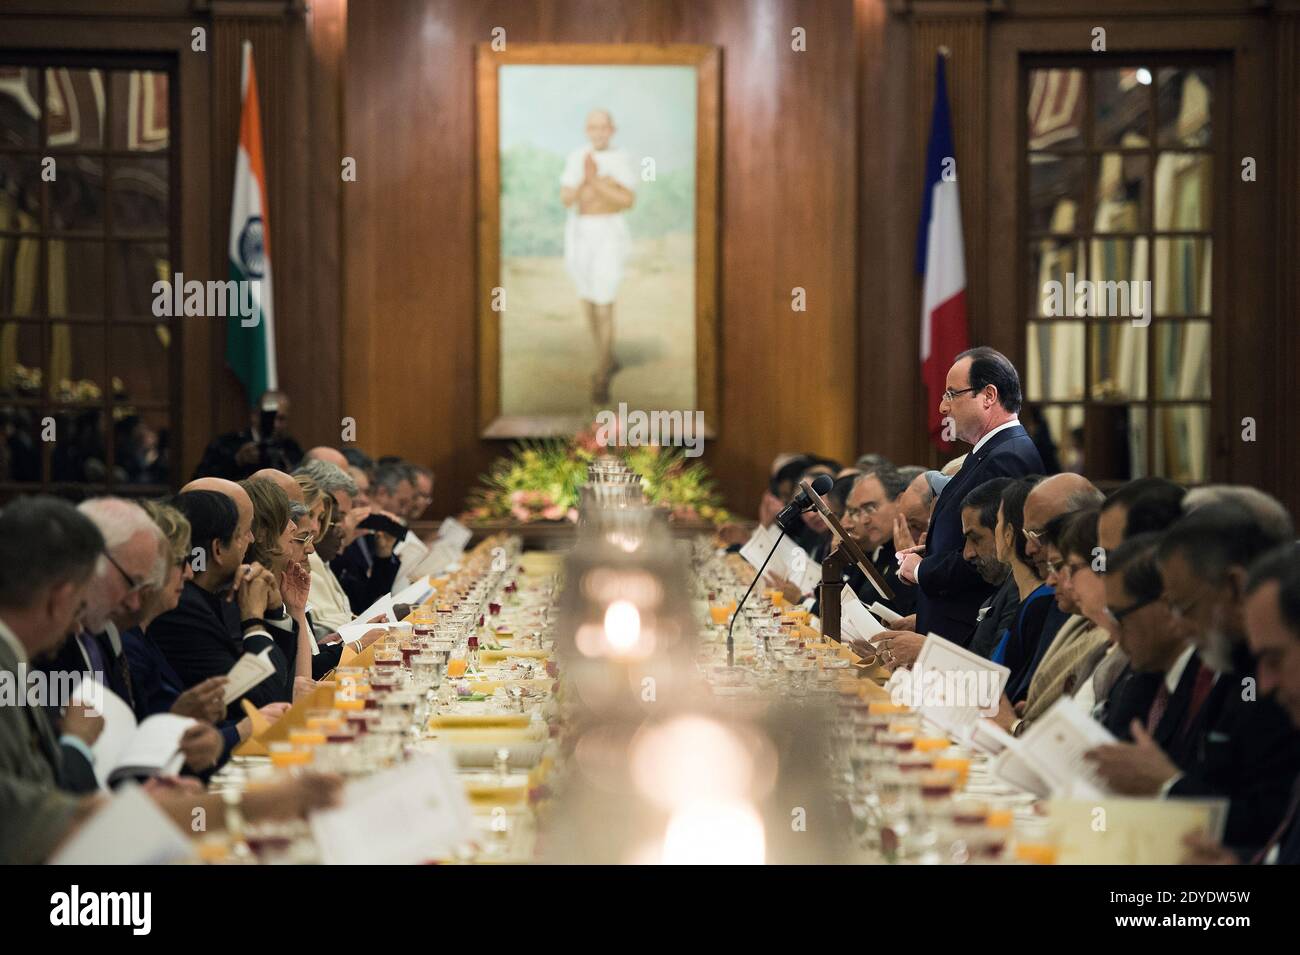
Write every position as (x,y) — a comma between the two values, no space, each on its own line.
(788,195)
(820,187)
(1286,57)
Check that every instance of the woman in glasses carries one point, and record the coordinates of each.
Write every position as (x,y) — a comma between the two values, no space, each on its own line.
(276,541)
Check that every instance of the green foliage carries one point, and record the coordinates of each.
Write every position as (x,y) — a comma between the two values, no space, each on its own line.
(540,479)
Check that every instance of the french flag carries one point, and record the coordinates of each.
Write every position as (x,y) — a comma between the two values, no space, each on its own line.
(941,258)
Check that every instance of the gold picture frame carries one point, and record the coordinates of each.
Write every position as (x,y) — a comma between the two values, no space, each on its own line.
(705,61)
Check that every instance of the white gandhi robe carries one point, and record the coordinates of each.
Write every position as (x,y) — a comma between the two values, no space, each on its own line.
(596,247)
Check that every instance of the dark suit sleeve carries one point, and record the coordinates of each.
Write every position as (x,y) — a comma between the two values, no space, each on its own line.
(1251,757)
(76,774)
(197,646)
(326,660)
(948,574)
(364,583)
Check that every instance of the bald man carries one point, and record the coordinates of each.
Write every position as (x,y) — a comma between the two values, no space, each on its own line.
(1058,494)
(327,454)
(222,611)
(285,482)
(243,505)
(598,184)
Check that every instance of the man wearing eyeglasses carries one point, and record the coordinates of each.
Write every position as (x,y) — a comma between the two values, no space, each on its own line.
(982,401)
(1161,689)
(869,519)
(135,557)
(1239,744)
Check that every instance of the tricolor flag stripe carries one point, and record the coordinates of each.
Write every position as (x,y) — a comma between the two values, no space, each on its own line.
(941,258)
(250,339)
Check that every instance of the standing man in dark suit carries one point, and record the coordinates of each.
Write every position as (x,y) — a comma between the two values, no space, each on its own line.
(982,401)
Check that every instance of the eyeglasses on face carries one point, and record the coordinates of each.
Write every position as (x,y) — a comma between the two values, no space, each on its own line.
(133,585)
(1034,537)
(1119,615)
(862,510)
(304,540)
(1069,569)
(949,395)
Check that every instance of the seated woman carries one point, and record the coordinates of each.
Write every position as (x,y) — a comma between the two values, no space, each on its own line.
(1085,639)
(1077,545)
(276,540)
(156,685)
(1037,617)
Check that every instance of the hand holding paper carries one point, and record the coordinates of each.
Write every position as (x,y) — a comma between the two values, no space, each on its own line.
(248,671)
(1140,768)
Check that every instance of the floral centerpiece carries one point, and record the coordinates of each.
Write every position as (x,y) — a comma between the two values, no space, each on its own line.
(539,480)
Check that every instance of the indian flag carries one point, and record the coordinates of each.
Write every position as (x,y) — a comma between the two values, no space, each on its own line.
(250,339)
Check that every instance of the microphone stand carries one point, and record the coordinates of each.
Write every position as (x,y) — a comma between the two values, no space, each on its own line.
(731,643)
(833,568)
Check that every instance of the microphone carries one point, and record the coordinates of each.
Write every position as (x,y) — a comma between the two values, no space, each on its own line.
(788,519)
(788,522)
(731,643)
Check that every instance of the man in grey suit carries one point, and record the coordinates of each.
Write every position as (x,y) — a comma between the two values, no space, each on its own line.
(48,553)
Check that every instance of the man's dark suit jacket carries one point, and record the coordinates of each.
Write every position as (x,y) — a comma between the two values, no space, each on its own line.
(904,601)
(951,591)
(363,576)
(76,773)
(1288,841)
(69,659)
(1244,749)
(999,613)
(1132,698)
(202,637)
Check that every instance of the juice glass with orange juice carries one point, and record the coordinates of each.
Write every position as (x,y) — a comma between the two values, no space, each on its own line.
(306,737)
(957,762)
(289,755)
(1034,842)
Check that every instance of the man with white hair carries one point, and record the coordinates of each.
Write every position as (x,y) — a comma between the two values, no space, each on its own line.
(135,557)
(1266,509)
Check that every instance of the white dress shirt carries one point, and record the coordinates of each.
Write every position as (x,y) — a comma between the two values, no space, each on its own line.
(1002,427)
